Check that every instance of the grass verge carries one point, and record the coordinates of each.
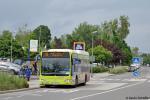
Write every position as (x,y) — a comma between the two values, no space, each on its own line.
(11,82)
(118,70)
(99,69)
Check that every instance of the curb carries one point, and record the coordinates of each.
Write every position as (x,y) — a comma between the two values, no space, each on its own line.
(18,90)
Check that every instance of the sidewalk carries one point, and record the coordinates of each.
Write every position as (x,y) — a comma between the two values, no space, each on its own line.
(35,84)
(34,77)
(34,81)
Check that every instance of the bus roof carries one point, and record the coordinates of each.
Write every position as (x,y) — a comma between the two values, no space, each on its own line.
(67,50)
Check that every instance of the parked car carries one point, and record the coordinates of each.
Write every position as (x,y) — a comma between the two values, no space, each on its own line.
(134,67)
(18,61)
(10,67)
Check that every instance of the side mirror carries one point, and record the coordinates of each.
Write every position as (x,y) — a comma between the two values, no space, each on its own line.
(38,57)
(76,61)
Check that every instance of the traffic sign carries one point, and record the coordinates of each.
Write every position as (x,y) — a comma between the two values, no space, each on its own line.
(136,73)
(33,45)
(79,46)
(136,60)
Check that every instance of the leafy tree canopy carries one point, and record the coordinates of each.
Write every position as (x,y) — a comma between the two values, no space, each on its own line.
(101,54)
(43,34)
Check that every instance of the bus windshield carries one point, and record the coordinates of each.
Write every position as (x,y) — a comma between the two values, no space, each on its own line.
(55,66)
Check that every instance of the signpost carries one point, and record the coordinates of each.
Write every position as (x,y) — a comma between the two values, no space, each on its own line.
(79,46)
(137,61)
(33,45)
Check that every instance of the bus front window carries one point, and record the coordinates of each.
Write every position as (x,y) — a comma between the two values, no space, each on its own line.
(55,66)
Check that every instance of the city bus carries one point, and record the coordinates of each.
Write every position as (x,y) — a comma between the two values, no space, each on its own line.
(64,67)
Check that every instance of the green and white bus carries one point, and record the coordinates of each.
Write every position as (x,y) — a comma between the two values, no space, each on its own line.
(64,67)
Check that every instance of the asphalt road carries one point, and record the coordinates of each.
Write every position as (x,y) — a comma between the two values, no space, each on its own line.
(116,87)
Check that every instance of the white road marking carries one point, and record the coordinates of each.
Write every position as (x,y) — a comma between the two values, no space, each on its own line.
(105,86)
(64,91)
(69,91)
(95,82)
(148,81)
(128,79)
(7,98)
(134,79)
(33,94)
(82,97)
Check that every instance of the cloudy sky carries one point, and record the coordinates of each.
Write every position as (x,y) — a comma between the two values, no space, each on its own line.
(62,16)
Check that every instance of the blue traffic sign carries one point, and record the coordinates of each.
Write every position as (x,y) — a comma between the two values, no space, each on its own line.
(136,73)
(136,60)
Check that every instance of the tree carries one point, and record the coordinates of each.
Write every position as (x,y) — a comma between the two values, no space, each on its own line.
(6,41)
(58,43)
(135,51)
(101,54)
(6,34)
(43,34)
(117,54)
(146,58)
(23,37)
(124,27)
(110,34)
(83,33)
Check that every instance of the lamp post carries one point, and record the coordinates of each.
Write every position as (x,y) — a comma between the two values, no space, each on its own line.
(11,50)
(92,43)
(40,40)
(92,52)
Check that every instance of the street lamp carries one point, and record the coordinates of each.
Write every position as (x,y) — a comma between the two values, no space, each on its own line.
(11,49)
(40,40)
(92,43)
(92,51)
(11,58)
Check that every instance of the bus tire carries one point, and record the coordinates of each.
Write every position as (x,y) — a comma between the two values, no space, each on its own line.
(85,80)
(76,82)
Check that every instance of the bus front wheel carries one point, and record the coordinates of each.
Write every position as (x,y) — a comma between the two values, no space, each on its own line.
(85,80)
(76,82)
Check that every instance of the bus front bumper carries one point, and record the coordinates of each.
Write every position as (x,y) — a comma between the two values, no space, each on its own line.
(56,80)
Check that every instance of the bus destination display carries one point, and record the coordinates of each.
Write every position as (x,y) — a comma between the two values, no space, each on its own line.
(55,54)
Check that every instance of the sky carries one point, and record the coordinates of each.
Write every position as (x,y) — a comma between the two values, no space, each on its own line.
(62,16)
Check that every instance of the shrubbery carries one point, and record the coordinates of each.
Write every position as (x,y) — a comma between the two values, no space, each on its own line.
(99,69)
(9,82)
(118,70)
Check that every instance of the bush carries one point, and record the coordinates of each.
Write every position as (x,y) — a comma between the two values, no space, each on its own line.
(118,70)
(99,69)
(9,82)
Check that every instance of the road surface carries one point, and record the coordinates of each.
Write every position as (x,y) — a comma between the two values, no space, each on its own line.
(116,87)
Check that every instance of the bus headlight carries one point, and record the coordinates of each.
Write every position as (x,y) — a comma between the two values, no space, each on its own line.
(68,81)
